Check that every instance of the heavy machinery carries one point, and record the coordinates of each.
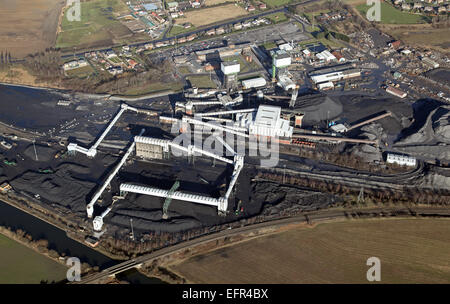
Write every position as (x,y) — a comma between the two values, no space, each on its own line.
(168,200)
(10,163)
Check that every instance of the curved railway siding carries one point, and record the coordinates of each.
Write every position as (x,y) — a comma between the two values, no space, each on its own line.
(359,179)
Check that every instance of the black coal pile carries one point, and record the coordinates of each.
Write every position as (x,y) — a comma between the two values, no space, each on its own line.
(44,153)
(62,187)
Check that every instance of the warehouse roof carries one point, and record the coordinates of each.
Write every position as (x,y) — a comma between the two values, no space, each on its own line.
(267,116)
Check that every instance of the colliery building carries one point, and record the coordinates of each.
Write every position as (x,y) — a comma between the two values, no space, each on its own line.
(146,148)
(336,76)
(402,160)
(268,122)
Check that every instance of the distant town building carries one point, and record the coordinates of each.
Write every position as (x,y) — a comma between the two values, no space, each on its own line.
(173,6)
(396,92)
(430,63)
(326,56)
(75,64)
(5,187)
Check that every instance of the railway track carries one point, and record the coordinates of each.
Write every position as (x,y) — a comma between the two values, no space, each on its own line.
(309,217)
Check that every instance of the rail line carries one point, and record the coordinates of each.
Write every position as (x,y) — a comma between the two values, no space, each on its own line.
(307,217)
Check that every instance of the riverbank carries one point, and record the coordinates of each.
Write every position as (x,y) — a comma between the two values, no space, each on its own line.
(71,228)
(20,77)
(32,84)
(34,232)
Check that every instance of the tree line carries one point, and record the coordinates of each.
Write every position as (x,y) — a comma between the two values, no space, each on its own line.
(5,58)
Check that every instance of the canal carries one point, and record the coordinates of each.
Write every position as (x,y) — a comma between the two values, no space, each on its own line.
(60,242)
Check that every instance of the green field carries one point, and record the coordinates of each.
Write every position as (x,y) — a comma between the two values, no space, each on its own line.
(410,251)
(80,72)
(277,17)
(177,30)
(22,265)
(201,81)
(153,88)
(98,24)
(391,15)
(275,3)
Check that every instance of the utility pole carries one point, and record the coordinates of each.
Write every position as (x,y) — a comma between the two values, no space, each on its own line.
(132,231)
(284,173)
(312,22)
(361,196)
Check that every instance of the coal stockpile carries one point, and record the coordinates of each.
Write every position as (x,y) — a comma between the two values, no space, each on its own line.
(356,108)
(251,198)
(32,108)
(318,108)
(429,136)
(275,198)
(440,75)
(43,153)
(60,187)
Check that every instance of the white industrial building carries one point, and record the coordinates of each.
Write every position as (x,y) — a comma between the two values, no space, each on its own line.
(335,76)
(402,160)
(253,83)
(286,83)
(396,92)
(326,56)
(339,128)
(281,59)
(430,62)
(325,85)
(75,64)
(285,47)
(268,122)
(230,67)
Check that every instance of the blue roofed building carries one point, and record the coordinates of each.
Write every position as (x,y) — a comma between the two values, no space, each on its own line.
(150,7)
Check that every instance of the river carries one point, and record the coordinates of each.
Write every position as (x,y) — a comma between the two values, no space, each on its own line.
(60,242)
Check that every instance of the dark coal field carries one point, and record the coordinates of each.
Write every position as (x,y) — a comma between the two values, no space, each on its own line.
(70,182)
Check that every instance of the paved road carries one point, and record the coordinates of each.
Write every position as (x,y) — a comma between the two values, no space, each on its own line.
(309,217)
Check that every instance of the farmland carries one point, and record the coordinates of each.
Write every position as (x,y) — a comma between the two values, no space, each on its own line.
(410,250)
(275,3)
(211,15)
(215,2)
(28,26)
(421,35)
(21,265)
(98,25)
(391,15)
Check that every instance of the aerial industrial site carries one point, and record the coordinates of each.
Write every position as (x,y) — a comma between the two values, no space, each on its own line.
(268,124)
